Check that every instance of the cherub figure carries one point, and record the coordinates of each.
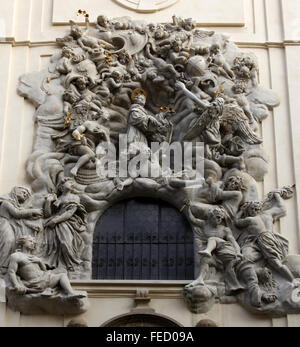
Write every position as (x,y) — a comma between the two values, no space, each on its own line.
(103,24)
(113,81)
(245,68)
(90,108)
(218,64)
(217,239)
(240,90)
(117,87)
(86,42)
(64,65)
(89,137)
(207,127)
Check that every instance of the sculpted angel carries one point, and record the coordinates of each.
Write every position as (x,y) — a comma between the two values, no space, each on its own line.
(207,126)
(64,65)
(88,138)
(218,64)
(86,42)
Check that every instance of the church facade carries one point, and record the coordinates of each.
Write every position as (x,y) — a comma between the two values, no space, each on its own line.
(98,227)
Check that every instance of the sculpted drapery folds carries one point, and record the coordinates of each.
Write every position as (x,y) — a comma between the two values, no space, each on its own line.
(63,242)
(173,84)
(16,220)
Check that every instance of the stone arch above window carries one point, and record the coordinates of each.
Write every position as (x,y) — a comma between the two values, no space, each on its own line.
(141,320)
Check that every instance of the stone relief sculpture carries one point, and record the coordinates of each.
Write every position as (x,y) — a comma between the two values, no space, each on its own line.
(28,276)
(126,85)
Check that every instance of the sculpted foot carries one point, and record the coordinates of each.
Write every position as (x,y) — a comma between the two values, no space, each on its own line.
(77,295)
(255,298)
(296,283)
(47,292)
(205,254)
(234,290)
(269,298)
(198,282)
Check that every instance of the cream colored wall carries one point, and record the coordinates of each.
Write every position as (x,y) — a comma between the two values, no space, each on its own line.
(269,28)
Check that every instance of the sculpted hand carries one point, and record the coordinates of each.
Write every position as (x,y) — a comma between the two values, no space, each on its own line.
(84,141)
(51,197)
(214,189)
(37,213)
(50,224)
(21,290)
(180,85)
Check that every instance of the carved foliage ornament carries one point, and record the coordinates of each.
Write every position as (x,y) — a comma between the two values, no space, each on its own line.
(123,84)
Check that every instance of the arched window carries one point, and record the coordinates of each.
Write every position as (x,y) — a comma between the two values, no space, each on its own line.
(143,239)
(141,320)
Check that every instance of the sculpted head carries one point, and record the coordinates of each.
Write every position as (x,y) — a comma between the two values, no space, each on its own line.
(27,242)
(152,74)
(102,21)
(234,183)
(189,24)
(66,185)
(217,215)
(71,95)
(139,97)
(176,45)
(199,299)
(240,87)
(215,48)
(76,32)
(67,52)
(216,108)
(81,82)
(159,33)
(152,27)
(117,75)
(252,208)
(21,194)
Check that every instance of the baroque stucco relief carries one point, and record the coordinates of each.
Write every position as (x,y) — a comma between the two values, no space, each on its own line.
(171,83)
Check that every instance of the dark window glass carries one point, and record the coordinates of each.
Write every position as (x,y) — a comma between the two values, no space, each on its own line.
(143,239)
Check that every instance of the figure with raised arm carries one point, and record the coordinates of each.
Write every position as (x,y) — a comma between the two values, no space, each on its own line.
(257,220)
(218,240)
(207,125)
(89,137)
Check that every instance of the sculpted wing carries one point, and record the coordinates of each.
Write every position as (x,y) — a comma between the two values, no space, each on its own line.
(234,117)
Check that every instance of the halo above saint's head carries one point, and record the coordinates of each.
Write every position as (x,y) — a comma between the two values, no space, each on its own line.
(138,91)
